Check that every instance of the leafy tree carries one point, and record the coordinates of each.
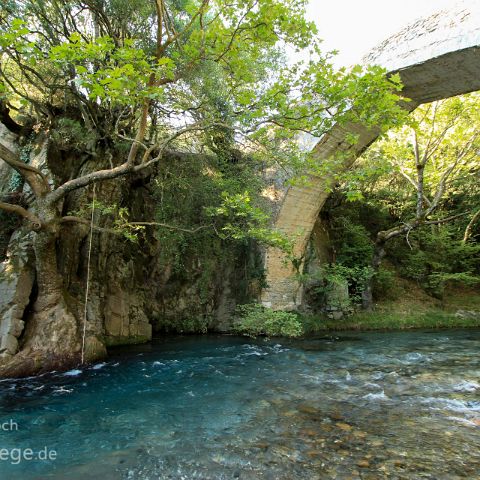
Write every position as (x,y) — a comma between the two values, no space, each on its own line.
(427,176)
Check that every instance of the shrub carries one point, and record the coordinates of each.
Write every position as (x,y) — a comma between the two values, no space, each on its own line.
(254,319)
(352,243)
(327,282)
(384,285)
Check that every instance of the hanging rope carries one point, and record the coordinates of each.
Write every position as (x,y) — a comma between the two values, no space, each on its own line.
(87,287)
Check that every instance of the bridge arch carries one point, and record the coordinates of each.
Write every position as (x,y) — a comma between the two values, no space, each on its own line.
(437,57)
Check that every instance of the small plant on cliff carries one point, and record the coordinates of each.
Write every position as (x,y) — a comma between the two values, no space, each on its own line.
(244,221)
(254,319)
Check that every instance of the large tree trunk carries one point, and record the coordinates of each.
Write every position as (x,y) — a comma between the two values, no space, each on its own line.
(53,326)
(52,336)
(49,281)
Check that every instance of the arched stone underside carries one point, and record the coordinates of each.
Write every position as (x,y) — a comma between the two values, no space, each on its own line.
(437,57)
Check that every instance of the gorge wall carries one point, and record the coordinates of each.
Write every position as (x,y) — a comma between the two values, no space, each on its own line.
(134,291)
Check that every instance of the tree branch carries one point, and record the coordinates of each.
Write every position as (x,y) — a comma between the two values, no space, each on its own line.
(420,164)
(443,181)
(98,176)
(124,168)
(39,186)
(385,235)
(445,220)
(412,182)
(17,209)
(176,36)
(84,221)
(171,227)
(468,230)
(7,120)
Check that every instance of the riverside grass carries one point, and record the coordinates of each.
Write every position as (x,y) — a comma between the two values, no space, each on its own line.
(367,321)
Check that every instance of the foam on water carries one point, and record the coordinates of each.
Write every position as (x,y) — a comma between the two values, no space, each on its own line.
(98,366)
(466,386)
(72,373)
(376,396)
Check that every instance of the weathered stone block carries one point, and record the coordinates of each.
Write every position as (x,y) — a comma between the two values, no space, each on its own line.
(114,324)
(337,315)
(94,349)
(17,277)
(11,324)
(8,344)
(117,304)
(144,330)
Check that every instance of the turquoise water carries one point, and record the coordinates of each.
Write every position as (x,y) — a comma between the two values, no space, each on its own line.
(369,406)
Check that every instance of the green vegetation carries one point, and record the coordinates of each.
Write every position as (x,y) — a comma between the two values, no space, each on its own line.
(389,321)
(254,320)
(410,308)
(408,211)
(195,101)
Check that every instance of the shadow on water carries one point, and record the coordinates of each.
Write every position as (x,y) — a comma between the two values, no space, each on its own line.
(324,342)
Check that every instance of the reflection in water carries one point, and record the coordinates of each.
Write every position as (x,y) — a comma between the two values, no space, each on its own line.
(390,405)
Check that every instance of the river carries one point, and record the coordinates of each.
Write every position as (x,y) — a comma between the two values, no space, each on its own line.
(349,406)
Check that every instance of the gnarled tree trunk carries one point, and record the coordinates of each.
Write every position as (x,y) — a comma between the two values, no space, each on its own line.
(52,335)
(52,338)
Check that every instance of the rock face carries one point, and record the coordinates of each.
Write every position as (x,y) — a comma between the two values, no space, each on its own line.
(125,320)
(131,293)
(16,282)
(9,140)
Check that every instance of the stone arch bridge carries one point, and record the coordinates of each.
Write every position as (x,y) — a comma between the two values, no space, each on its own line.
(437,57)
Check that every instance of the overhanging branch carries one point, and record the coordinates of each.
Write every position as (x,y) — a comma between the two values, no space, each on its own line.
(171,227)
(470,225)
(84,221)
(17,209)
(127,167)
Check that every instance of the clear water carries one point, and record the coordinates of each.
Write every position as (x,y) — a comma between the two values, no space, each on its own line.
(369,406)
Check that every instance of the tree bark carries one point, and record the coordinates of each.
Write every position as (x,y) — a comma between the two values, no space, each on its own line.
(468,230)
(51,339)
